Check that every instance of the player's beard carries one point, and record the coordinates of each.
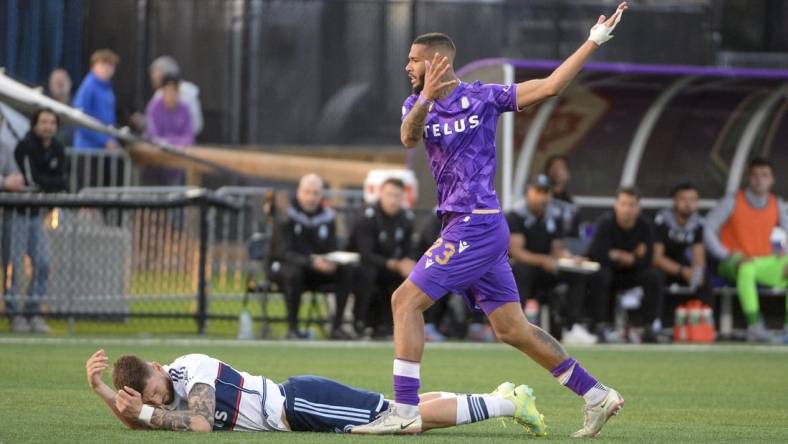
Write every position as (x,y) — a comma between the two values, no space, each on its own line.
(419,86)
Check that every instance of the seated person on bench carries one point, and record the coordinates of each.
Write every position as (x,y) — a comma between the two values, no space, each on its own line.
(301,238)
(738,233)
(678,244)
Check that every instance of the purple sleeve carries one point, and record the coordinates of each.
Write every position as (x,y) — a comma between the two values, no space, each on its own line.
(504,97)
(185,136)
(151,131)
(408,105)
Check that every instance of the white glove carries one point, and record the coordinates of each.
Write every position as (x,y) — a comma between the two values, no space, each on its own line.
(601,32)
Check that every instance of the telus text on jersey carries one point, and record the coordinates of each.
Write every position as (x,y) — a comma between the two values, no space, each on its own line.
(449,128)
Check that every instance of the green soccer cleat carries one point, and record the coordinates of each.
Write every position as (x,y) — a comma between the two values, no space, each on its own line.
(525,412)
(595,417)
(503,389)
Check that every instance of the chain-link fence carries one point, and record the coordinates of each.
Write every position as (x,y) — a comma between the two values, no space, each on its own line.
(127,257)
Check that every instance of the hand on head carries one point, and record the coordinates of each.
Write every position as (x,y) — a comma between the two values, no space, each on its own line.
(433,76)
(128,402)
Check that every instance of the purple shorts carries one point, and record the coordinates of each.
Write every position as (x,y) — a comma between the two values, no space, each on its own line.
(470,258)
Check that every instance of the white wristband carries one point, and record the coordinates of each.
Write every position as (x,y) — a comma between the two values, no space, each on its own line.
(146,413)
(600,33)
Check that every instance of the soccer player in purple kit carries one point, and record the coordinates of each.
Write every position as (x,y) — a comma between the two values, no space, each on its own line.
(457,122)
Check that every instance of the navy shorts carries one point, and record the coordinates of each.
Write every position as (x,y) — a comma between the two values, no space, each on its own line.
(315,404)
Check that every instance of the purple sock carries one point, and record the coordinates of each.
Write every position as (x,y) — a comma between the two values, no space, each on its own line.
(406,382)
(571,374)
(406,390)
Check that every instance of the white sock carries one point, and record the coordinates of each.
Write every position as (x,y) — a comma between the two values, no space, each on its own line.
(498,406)
(475,408)
(463,414)
(597,394)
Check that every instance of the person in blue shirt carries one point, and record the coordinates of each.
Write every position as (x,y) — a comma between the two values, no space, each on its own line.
(96,98)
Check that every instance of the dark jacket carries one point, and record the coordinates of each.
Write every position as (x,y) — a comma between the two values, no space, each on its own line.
(379,237)
(300,235)
(44,168)
(609,235)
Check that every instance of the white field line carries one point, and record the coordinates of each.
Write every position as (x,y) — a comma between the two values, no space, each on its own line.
(207,342)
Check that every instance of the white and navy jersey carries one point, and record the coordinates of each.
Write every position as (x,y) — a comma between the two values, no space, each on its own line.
(243,402)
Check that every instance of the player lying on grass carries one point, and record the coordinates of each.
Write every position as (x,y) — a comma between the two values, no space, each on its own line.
(200,393)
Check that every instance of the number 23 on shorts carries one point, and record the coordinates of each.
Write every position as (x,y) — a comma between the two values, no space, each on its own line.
(448,251)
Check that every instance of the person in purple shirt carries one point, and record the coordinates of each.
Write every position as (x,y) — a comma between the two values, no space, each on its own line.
(457,122)
(168,120)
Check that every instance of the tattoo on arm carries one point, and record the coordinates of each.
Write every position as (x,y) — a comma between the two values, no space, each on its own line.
(201,405)
(413,125)
(544,338)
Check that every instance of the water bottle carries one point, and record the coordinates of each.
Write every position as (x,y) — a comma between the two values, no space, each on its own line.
(694,315)
(245,325)
(680,324)
(708,331)
(779,240)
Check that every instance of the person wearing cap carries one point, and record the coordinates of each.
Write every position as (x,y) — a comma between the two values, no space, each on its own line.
(535,246)
(623,245)
(188,92)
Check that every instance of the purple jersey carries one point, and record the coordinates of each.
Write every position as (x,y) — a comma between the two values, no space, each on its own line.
(459,136)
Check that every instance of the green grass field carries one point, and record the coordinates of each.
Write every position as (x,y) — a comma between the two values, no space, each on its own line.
(706,394)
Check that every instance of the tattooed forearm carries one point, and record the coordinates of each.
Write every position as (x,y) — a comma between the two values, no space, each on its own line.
(176,420)
(202,401)
(199,417)
(413,125)
(544,338)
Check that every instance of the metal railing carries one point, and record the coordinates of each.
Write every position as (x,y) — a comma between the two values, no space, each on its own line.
(108,254)
(98,168)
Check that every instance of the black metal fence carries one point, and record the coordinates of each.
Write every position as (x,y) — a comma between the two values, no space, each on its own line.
(117,255)
(337,67)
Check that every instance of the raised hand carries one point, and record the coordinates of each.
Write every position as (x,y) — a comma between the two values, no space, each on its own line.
(95,366)
(602,31)
(433,76)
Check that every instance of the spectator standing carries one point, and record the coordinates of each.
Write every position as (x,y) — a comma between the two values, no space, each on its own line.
(96,98)
(41,158)
(168,120)
(59,88)
(189,93)
(11,181)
